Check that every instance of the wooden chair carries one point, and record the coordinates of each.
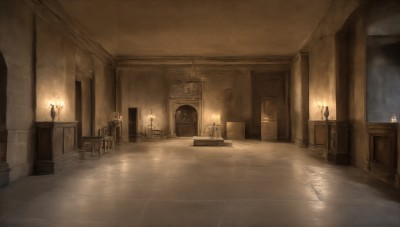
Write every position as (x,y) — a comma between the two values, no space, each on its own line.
(108,140)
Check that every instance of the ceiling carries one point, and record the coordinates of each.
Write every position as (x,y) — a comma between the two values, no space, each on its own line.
(220,28)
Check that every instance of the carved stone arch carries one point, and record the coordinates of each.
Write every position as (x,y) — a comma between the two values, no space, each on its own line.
(185,92)
(4,169)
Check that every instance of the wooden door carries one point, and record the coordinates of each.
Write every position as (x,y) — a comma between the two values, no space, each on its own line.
(186,121)
(78,110)
(132,127)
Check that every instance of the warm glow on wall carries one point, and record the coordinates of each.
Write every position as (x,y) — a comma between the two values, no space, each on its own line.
(54,104)
(216,118)
(321,104)
(59,107)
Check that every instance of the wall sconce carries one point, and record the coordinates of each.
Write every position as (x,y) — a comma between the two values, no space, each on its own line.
(116,116)
(59,107)
(321,106)
(216,118)
(151,117)
(393,119)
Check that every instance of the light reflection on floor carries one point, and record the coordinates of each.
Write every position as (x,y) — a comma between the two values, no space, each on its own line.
(171,183)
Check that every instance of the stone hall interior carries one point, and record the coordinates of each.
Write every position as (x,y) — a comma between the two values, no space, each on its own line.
(199,113)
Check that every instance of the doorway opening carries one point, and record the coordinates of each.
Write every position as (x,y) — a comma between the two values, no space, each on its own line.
(132,127)
(186,121)
(78,110)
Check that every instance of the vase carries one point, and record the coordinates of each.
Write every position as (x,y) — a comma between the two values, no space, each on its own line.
(326,113)
(52,113)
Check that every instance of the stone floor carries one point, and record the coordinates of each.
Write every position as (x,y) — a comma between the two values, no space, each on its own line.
(172,183)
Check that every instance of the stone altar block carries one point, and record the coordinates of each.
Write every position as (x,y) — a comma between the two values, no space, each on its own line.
(208,141)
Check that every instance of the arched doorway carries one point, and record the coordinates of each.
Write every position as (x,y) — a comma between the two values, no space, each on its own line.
(186,121)
(4,169)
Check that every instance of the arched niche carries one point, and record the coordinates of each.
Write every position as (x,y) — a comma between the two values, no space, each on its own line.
(186,121)
(173,106)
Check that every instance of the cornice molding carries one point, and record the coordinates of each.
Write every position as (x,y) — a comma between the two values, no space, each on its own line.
(53,13)
(126,61)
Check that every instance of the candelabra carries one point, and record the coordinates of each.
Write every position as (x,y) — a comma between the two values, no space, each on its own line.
(59,107)
(151,117)
(321,110)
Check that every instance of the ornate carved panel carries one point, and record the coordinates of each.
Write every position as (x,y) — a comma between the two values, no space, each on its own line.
(186,89)
(185,92)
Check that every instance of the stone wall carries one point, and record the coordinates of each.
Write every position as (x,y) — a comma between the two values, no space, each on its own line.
(337,72)
(299,99)
(321,47)
(104,93)
(43,64)
(16,44)
(357,91)
(227,92)
(60,63)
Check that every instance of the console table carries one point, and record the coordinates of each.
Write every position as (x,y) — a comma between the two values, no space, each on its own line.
(56,146)
(332,138)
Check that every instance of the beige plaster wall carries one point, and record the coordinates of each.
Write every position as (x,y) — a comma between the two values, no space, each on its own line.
(16,44)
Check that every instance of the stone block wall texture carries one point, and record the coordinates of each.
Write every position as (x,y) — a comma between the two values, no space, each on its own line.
(43,65)
(16,44)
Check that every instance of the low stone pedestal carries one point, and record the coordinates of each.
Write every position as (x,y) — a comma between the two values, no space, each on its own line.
(208,141)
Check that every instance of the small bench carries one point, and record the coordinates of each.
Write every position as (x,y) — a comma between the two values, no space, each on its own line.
(95,143)
(108,142)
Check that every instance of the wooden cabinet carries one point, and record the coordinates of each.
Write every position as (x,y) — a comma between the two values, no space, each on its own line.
(382,160)
(56,146)
(332,138)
